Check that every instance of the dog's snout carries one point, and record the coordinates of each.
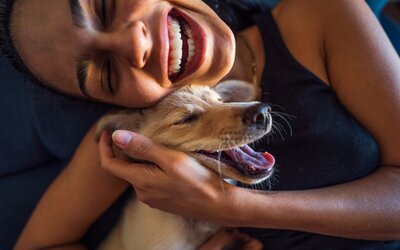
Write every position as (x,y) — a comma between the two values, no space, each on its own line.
(257,115)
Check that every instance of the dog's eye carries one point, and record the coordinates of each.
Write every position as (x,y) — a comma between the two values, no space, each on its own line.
(188,119)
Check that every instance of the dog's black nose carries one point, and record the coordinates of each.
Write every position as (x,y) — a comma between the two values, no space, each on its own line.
(257,115)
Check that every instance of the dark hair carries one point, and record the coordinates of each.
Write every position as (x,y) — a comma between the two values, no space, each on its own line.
(7,43)
(237,13)
(230,11)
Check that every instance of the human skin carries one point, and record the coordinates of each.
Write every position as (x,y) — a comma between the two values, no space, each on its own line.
(361,67)
(135,27)
(354,58)
(135,39)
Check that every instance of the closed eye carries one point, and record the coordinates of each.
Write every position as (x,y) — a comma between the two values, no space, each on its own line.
(106,77)
(104,10)
(188,119)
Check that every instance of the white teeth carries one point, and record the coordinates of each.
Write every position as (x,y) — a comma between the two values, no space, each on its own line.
(176,43)
(176,46)
(192,46)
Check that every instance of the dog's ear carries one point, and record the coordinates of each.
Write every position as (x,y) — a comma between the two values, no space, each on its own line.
(125,119)
(236,91)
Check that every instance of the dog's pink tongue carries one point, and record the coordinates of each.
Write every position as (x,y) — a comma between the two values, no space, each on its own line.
(251,159)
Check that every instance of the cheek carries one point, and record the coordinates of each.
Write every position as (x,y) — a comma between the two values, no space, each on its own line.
(202,12)
(140,94)
(193,5)
(133,8)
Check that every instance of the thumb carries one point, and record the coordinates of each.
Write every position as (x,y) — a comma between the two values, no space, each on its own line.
(140,147)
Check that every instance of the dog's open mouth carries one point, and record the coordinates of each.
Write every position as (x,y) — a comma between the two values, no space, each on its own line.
(244,159)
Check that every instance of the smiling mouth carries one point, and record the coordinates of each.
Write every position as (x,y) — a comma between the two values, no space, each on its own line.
(182,47)
(244,159)
(187,45)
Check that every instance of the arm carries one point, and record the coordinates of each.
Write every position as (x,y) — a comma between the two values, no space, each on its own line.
(363,70)
(78,196)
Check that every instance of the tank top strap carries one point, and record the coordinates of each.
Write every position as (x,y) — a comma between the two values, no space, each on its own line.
(282,71)
(275,46)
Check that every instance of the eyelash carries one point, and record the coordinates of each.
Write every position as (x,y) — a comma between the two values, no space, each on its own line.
(101,12)
(107,67)
(101,9)
(188,119)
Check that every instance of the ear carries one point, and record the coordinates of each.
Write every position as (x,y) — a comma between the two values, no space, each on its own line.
(236,91)
(125,119)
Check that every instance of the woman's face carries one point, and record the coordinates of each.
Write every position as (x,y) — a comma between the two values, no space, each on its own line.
(125,52)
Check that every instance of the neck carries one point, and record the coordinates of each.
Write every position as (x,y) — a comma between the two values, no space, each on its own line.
(249,52)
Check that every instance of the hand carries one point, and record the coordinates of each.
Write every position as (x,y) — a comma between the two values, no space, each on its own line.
(175,183)
(231,240)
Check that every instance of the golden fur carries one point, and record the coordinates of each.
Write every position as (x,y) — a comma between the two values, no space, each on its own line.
(192,119)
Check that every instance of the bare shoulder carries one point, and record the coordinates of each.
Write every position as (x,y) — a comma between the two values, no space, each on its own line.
(318,9)
(361,63)
(323,19)
(301,29)
(305,26)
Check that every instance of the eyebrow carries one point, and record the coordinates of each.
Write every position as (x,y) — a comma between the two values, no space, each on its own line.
(77,13)
(79,20)
(81,74)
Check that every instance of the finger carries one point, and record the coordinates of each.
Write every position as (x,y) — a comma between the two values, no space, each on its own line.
(248,242)
(218,241)
(105,145)
(122,169)
(141,147)
(253,244)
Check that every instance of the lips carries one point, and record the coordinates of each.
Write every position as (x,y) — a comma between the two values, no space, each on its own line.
(187,44)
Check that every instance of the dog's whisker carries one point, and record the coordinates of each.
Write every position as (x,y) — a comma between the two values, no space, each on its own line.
(281,116)
(278,129)
(281,129)
(273,133)
(219,160)
(285,120)
(182,130)
(221,179)
(263,185)
(288,116)
(276,106)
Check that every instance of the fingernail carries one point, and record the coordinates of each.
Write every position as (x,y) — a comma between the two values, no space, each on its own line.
(121,137)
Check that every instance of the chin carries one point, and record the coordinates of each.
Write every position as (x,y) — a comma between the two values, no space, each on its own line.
(228,49)
(226,59)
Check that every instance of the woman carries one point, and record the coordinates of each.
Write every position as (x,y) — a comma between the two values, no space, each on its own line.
(329,64)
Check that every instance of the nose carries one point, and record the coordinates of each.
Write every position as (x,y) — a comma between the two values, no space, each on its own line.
(257,115)
(132,43)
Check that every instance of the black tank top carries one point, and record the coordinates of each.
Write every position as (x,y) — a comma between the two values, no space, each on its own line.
(324,145)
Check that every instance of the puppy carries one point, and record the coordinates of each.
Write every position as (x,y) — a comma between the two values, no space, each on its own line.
(213,127)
